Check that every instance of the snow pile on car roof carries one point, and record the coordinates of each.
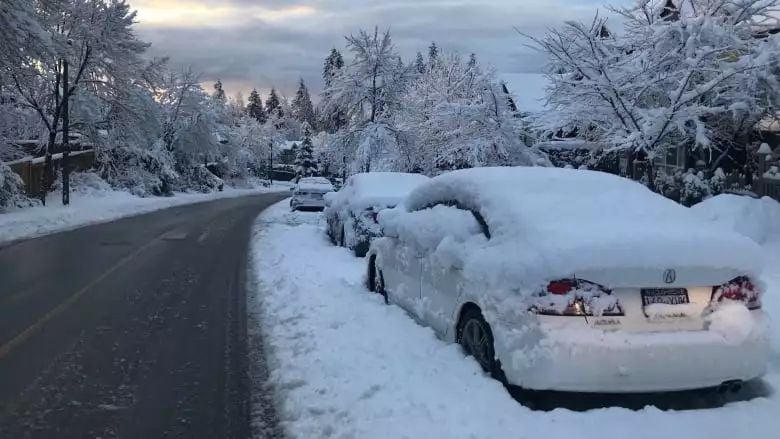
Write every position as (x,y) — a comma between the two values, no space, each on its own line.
(758,219)
(548,223)
(375,189)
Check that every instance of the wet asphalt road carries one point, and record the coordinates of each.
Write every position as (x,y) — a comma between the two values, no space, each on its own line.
(131,329)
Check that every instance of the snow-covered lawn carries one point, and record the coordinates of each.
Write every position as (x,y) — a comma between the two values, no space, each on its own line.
(344,365)
(92,205)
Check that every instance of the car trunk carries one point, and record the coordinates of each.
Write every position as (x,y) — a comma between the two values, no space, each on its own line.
(670,299)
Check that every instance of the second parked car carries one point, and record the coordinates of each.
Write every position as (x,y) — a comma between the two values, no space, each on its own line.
(352,212)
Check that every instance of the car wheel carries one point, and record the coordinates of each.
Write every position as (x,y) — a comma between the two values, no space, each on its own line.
(361,249)
(376,279)
(476,338)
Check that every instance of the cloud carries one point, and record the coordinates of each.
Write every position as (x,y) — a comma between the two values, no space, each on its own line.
(271,43)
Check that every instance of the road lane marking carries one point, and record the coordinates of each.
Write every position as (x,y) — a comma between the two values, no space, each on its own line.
(20,338)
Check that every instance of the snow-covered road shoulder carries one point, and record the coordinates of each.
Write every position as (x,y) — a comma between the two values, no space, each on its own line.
(94,206)
(345,365)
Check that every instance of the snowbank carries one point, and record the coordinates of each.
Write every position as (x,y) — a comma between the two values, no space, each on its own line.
(93,201)
(758,219)
(344,365)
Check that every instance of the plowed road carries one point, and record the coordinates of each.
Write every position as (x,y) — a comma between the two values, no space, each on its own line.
(130,329)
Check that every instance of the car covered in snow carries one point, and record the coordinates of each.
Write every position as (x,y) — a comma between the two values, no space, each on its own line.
(572,280)
(352,212)
(309,193)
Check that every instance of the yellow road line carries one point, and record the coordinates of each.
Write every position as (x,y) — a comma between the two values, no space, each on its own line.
(6,348)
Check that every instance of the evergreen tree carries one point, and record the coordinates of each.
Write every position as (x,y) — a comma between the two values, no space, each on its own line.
(273,107)
(254,107)
(219,93)
(419,63)
(333,64)
(472,61)
(303,110)
(433,53)
(305,165)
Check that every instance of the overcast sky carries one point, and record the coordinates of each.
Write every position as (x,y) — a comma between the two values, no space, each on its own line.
(265,43)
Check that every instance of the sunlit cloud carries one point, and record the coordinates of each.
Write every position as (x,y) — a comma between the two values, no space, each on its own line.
(194,14)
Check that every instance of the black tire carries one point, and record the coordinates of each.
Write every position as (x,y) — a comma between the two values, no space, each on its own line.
(376,279)
(473,325)
(361,249)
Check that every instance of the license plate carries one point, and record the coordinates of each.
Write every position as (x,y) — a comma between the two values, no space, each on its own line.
(665,296)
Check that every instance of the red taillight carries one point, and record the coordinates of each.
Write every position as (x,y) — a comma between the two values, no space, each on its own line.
(740,289)
(575,297)
(560,287)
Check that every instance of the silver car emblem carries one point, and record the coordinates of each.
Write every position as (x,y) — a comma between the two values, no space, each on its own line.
(670,276)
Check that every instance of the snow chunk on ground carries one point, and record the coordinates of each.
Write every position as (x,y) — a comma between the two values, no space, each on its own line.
(758,219)
(345,365)
(92,201)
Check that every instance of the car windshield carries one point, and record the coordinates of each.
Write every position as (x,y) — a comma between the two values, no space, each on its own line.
(390,219)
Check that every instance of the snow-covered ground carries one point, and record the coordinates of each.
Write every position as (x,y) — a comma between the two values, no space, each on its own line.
(98,203)
(344,365)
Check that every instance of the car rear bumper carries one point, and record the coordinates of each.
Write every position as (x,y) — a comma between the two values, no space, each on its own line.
(588,360)
(305,203)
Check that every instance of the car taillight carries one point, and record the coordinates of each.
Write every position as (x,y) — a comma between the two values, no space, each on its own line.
(740,289)
(575,297)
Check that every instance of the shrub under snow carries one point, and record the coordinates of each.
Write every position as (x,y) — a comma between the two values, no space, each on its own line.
(11,189)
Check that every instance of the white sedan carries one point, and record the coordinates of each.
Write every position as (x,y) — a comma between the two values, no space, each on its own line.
(309,193)
(571,280)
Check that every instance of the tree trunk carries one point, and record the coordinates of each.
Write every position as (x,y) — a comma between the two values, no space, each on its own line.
(65,138)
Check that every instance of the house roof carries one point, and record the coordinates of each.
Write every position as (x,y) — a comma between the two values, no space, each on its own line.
(290,144)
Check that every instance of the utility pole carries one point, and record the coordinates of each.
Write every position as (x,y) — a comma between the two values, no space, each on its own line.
(65,134)
(66,128)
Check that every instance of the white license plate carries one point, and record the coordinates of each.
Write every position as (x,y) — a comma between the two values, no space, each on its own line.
(665,296)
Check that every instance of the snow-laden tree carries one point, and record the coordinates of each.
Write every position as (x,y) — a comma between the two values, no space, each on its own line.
(302,108)
(699,75)
(95,39)
(305,164)
(273,105)
(368,87)
(419,63)
(219,93)
(366,92)
(455,115)
(254,107)
(333,64)
(330,117)
(21,32)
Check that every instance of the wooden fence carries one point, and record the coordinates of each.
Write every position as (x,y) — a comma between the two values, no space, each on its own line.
(31,169)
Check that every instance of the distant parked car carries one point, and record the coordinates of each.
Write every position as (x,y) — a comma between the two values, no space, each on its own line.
(569,280)
(351,213)
(309,193)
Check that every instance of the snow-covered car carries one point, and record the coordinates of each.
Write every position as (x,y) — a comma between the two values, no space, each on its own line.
(570,280)
(309,193)
(352,212)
